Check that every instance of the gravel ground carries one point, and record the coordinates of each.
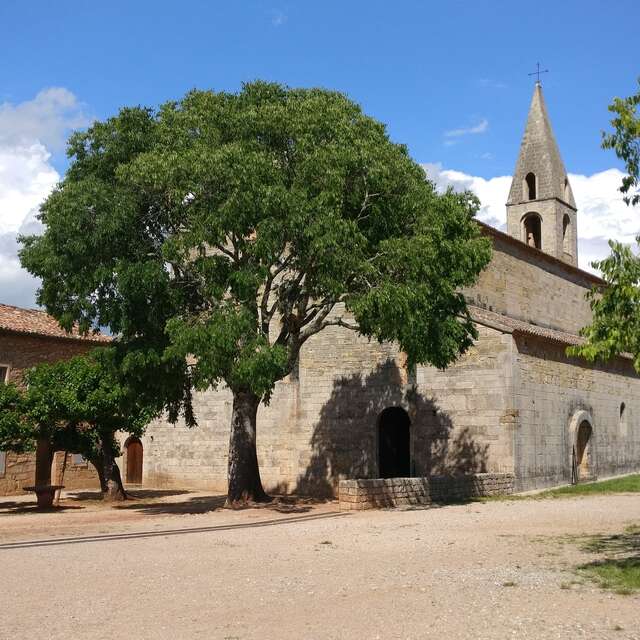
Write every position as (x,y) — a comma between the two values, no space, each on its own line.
(172,569)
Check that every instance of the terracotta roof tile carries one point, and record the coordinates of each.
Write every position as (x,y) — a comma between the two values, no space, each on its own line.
(35,322)
(512,325)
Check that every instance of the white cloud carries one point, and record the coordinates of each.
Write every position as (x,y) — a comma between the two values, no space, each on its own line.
(481,127)
(46,119)
(29,131)
(492,193)
(602,213)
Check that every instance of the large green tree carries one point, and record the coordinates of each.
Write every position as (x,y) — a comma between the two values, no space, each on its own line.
(615,327)
(231,228)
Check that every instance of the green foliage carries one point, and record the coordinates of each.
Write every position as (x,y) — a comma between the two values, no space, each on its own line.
(77,404)
(625,141)
(615,327)
(224,230)
(17,431)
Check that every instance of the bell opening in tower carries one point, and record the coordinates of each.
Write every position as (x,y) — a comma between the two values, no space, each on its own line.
(532,230)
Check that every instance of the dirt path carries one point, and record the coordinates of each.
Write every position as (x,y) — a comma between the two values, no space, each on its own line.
(494,570)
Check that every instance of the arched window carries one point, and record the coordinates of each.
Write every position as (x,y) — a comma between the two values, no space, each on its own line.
(532,230)
(530,180)
(566,234)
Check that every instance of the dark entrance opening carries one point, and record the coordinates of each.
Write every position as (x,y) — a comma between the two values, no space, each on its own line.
(394,448)
(134,461)
(583,451)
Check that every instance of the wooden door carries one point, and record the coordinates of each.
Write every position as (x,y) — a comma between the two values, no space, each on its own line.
(134,462)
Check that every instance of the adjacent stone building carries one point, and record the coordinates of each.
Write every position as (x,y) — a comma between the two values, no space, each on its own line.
(515,404)
(28,337)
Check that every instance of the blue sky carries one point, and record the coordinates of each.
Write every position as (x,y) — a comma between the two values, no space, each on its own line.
(449,79)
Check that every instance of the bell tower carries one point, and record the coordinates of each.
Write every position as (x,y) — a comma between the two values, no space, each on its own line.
(541,210)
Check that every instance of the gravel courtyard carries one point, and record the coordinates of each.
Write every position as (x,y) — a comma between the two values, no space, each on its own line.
(170,567)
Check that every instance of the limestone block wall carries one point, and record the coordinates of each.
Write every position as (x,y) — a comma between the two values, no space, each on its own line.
(550,389)
(318,426)
(383,493)
(528,285)
(321,425)
(398,492)
(471,428)
(457,488)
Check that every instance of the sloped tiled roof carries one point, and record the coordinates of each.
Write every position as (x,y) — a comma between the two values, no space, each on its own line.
(512,325)
(39,323)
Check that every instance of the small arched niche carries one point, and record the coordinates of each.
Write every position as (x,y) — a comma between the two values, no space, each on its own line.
(394,443)
(530,187)
(566,234)
(623,420)
(532,230)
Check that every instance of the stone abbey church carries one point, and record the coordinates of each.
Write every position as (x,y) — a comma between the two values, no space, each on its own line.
(514,404)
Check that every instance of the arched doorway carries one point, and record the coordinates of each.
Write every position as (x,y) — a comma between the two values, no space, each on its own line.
(394,443)
(582,448)
(133,450)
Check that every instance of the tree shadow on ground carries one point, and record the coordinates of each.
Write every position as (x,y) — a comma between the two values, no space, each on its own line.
(15,507)
(205,504)
(345,439)
(619,569)
(135,494)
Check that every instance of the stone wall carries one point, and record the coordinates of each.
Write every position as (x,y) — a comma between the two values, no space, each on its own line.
(550,389)
(321,423)
(528,285)
(471,430)
(458,488)
(396,492)
(21,352)
(477,416)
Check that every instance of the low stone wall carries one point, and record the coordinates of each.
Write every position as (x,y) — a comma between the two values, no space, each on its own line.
(456,488)
(381,493)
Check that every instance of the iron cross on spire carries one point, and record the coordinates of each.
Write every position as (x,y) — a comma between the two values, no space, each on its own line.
(538,72)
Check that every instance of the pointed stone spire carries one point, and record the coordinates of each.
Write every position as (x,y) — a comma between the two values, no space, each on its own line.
(539,154)
(541,209)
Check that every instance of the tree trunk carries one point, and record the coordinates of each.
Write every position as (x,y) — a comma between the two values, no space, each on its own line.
(112,488)
(44,460)
(244,475)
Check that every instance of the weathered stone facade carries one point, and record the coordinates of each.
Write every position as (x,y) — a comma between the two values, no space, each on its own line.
(19,351)
(514,404)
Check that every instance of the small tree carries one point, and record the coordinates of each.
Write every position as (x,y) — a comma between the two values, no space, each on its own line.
(615,327)
(231,228)
(74,405)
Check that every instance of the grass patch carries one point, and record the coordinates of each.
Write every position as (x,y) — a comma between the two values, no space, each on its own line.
(627,484)
(621,576)
(618,568)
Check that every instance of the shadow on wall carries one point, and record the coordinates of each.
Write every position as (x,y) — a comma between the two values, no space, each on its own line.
(345,439)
